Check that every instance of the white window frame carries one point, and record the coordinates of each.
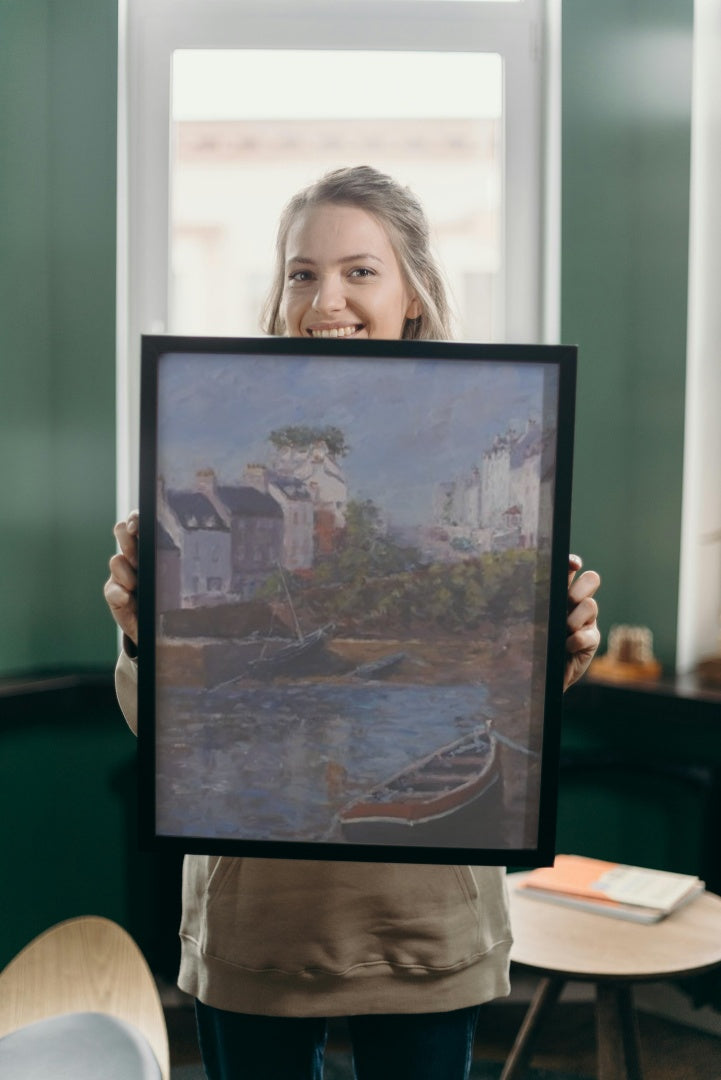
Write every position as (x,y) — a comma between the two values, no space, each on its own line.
(699,596)
(526,34)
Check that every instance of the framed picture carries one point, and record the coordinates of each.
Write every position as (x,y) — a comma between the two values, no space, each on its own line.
(352,597)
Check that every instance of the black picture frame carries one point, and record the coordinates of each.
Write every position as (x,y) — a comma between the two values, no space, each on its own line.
(353,568)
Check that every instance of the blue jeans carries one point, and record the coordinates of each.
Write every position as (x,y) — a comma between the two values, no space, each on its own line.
(416,1046)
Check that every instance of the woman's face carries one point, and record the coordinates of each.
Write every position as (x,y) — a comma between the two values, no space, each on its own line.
(342,277)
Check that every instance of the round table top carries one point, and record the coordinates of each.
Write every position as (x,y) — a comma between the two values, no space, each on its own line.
(559,940)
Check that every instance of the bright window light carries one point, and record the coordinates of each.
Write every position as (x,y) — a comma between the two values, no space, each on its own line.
(259,84)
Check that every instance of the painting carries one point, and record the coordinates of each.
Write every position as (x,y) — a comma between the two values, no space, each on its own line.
(352,597)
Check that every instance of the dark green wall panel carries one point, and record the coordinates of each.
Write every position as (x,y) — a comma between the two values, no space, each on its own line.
(68,844)
(626,146)
(26,396)
(58,80)
(68,800)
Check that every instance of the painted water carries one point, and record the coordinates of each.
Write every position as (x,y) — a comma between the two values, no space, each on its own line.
(278,762)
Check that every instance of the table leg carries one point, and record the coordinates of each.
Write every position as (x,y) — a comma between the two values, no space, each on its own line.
(617,1033)
(545,997)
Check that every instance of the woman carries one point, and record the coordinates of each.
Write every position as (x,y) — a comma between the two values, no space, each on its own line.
(271,948)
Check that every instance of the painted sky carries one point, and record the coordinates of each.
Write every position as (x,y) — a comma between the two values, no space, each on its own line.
(409,424)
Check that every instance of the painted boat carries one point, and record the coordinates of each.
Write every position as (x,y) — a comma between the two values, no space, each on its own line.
(450,797)
(292,656)
(378,669)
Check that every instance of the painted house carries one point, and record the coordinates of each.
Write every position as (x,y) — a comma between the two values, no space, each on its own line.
(546,494)
(459,502)
(508,533)
(204,542)
(496,480)
(525,482)
(295,501)
(507,502)
(473,499)
(256,537)
(325,481)
(167,583)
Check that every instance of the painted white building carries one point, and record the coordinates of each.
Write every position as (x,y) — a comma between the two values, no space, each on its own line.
(496,481)
(507,501)
(297,505)
(315,467)
(525,481)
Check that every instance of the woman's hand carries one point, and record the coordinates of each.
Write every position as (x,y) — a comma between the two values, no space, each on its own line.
(583,636)
(121,587)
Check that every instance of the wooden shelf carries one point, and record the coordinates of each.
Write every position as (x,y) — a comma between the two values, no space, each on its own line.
(682,696)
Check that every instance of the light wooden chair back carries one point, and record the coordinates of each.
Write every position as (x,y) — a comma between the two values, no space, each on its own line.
(87,964)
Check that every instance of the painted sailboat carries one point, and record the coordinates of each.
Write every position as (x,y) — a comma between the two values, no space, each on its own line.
(291,656)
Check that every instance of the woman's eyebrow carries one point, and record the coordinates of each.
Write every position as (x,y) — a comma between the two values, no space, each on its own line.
(361,257)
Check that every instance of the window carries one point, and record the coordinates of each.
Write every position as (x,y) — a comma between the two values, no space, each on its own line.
(227,107)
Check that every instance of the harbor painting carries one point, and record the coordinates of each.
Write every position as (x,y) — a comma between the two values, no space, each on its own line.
(351,581)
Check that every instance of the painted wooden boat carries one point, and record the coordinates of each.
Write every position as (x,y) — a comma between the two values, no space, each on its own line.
(449,797)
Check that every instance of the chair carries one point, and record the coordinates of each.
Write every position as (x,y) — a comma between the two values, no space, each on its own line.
(80,1001)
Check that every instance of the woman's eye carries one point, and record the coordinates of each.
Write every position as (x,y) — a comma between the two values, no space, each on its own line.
(362,272)
(300,276)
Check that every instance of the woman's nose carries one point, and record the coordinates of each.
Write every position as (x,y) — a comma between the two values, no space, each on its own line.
(329,296)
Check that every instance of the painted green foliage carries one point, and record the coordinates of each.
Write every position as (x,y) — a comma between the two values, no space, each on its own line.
(485,591)
(302,437)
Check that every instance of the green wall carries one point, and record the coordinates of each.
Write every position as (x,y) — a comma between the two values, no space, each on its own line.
(58,72)
(625,199)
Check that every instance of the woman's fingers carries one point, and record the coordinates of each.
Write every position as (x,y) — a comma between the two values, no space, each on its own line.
(583,636)
(575,562)
(582,588)
(120,588)
(126,534)
(123,607)
(583,612)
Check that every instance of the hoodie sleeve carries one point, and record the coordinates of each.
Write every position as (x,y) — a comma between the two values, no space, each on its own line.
(126,688)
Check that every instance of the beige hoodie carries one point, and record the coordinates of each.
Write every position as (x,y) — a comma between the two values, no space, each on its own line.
(285,937)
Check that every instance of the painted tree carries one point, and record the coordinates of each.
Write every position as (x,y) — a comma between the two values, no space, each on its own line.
(302,437)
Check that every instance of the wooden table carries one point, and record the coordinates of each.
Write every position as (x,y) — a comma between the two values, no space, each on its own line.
(563,944)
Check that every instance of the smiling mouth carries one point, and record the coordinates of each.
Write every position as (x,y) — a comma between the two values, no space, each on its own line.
(335,331)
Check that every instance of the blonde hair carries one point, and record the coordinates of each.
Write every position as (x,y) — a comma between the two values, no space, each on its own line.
(403,217)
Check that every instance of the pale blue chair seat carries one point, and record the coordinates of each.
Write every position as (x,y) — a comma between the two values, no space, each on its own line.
(78,1046)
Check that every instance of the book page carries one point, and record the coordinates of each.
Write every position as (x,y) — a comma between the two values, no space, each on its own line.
(652,888)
